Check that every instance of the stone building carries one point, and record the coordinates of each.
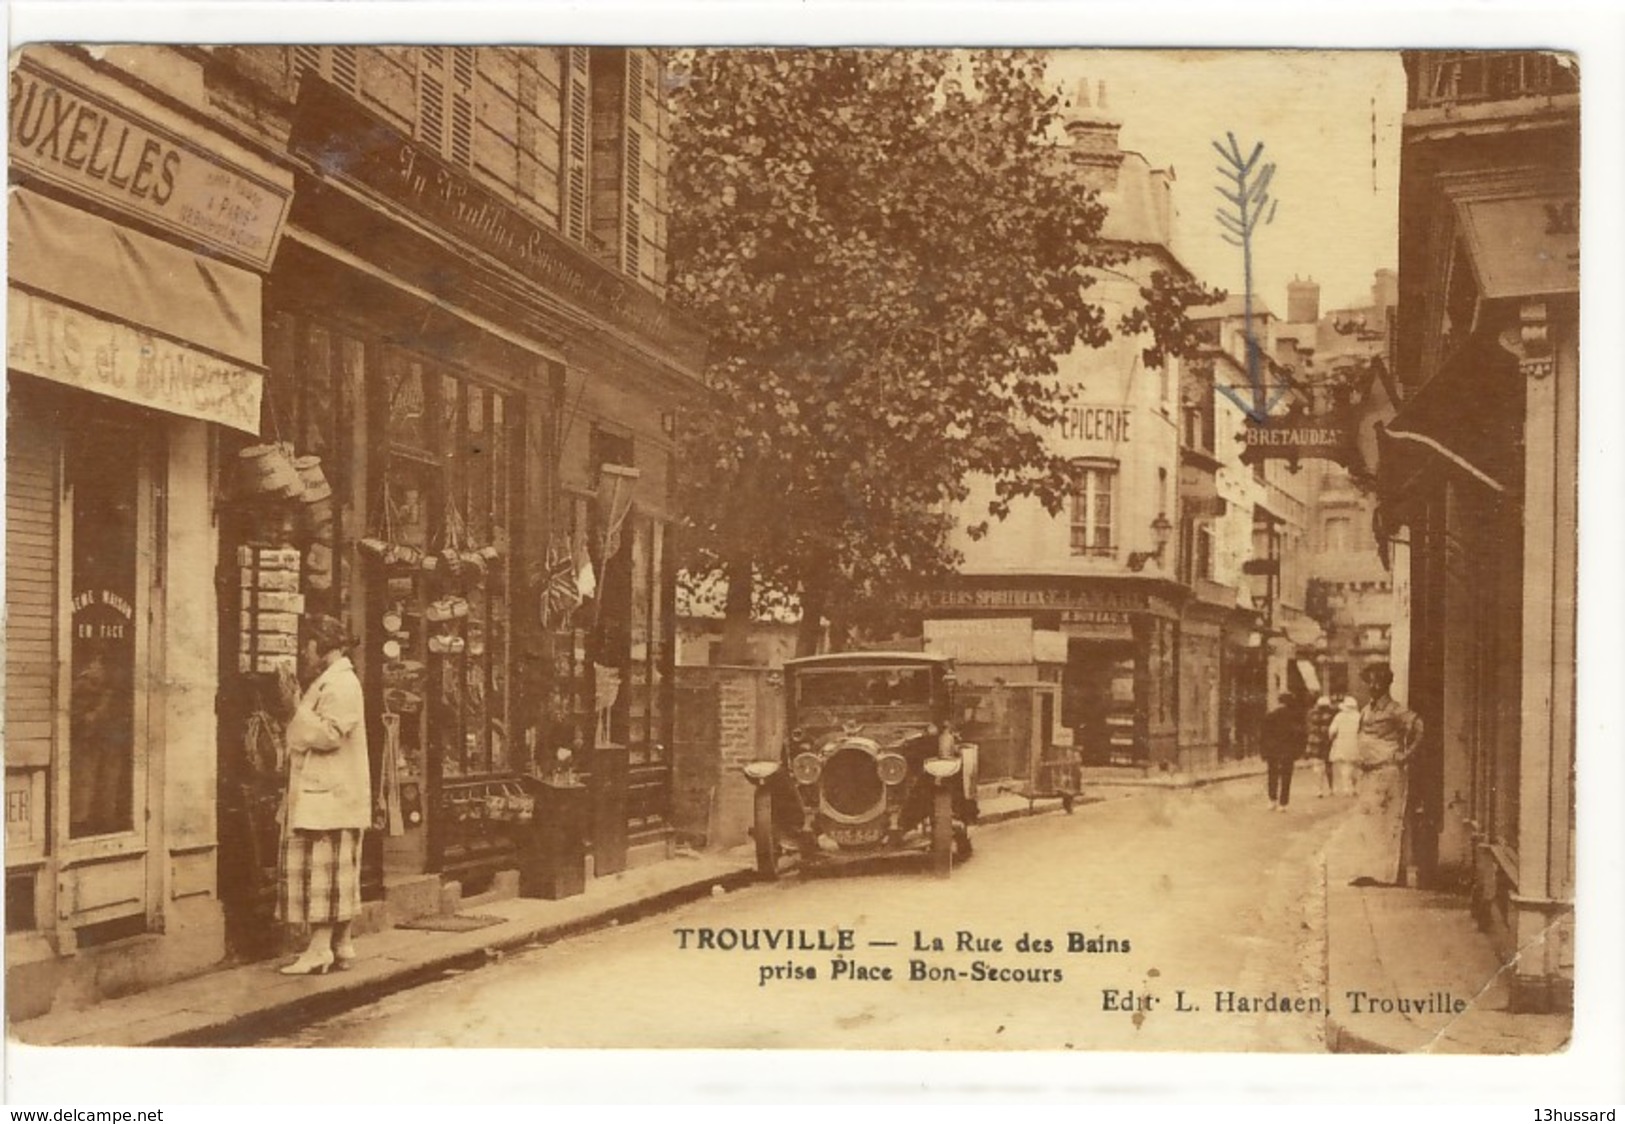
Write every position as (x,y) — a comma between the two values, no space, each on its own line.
(431,279)
(1478,473)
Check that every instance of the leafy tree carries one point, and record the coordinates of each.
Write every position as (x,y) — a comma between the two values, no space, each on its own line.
(889,253)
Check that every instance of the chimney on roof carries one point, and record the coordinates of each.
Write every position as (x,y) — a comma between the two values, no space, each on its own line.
(1385,289)
(1302,301)
(1162,202)
(1093,133)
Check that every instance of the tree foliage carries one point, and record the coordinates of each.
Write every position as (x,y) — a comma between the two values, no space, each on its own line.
(888,254)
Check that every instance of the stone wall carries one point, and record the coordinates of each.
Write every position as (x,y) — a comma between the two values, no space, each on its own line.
(726,716)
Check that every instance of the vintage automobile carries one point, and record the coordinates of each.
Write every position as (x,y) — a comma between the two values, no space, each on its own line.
(870,765)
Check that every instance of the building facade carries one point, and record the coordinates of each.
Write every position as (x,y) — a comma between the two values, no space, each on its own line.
(1098,602)
(1351,589)
(1479,473)
(427,281)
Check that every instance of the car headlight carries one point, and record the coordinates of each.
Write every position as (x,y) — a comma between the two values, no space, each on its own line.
(806,767)
(893,768)
(760,770)
(941,767)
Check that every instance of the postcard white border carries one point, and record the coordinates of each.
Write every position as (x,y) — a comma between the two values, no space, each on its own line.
(1589,1073)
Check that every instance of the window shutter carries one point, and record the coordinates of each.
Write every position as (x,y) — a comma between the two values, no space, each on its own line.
(344,68)
(306,59)
(32,491)
(632,262)
(577,114)
(632,167)
(432,97)
(461,148)
(634,87)
(336,64)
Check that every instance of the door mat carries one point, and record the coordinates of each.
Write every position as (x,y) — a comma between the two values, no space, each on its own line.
(452,922)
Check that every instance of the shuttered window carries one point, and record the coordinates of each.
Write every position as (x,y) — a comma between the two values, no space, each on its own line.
(336,64)
(32,495)
(577,116)
(446,101)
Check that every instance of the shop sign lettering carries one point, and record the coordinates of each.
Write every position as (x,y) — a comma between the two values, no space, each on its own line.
(101,614)
(1296,435)
(1094,617)
(1109,424)
(327,128)
(1115,603)
(69,346)
(78,140)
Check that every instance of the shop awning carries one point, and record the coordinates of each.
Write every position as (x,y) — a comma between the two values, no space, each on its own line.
(1467,418)
(116,312)
(1524,246)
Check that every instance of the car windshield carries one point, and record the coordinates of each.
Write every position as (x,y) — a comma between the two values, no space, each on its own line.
(865,687)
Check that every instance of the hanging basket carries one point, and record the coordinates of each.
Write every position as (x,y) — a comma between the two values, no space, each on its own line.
(268,471)
(312,478)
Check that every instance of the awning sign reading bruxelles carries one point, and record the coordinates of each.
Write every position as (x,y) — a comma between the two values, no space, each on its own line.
(85,142)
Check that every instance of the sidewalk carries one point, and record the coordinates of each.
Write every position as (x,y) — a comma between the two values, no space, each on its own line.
(1111,776)
(241,1004)
(1420,945)
(238,1005)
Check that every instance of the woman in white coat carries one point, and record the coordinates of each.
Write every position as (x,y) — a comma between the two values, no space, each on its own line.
(1344,752)
(328,803)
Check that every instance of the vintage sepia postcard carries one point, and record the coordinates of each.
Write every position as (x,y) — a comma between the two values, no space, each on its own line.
(533,542)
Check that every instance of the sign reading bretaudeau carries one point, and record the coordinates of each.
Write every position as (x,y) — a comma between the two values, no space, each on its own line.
(66,345)
(83,141)
(1296,435)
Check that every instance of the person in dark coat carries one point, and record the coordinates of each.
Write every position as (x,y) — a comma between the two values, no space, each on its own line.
(1283,741)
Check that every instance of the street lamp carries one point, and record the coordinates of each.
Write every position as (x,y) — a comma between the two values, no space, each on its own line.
(1161,529)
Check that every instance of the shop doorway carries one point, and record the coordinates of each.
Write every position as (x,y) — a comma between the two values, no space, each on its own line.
(1098,701)
(110,559)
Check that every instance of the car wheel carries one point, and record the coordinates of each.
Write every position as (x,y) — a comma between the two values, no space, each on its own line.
(767,837)
(942,831)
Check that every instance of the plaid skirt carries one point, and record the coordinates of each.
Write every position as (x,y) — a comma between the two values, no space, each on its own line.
(319,879)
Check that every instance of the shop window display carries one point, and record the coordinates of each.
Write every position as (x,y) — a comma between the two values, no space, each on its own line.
(442,545)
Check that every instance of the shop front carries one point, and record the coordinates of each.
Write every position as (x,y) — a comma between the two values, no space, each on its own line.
(491,409)
(138,239)
(1119,680)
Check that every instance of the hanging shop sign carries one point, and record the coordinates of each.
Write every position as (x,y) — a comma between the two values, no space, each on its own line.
(84,141)
(67,345)
(347,142)
(1295,435)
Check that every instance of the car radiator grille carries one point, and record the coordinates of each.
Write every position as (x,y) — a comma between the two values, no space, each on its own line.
(851,783)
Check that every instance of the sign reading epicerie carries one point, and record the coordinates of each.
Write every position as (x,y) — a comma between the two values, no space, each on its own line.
(86,143)
(57,342)
(1109,424)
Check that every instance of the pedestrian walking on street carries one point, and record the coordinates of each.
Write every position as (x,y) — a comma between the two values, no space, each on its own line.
(1343,750)
(1318,746)
(1283,740)
(328,802)
(1389,736)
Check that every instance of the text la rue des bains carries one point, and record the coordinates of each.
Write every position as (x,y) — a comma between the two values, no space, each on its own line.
(942,959)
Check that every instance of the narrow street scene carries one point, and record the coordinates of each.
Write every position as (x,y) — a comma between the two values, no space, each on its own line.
(512,543)
(1206,910)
